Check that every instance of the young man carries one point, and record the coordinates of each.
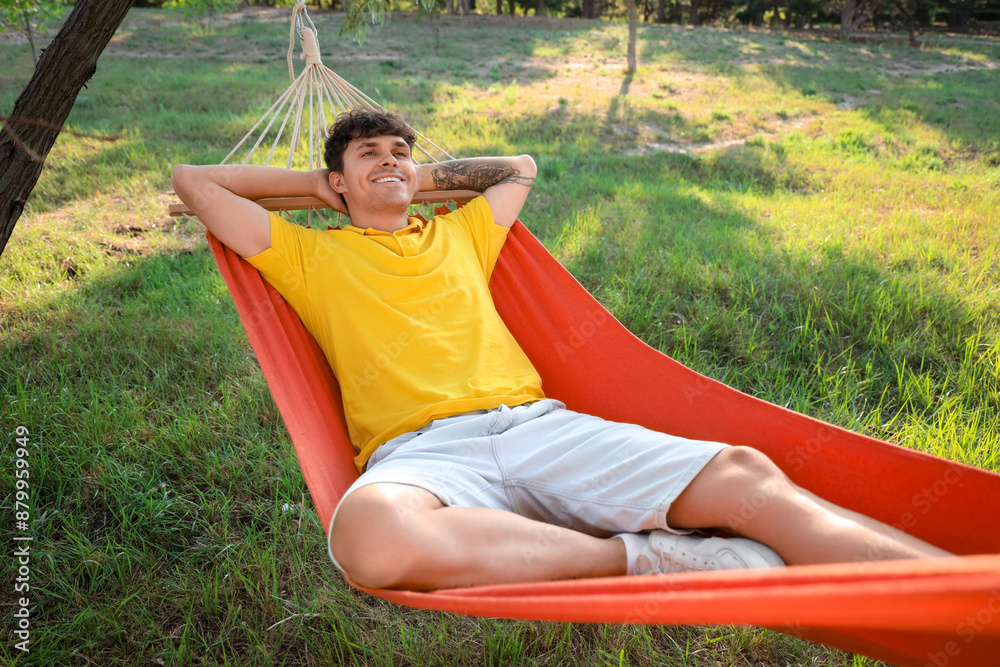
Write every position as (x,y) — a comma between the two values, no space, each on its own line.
(471,475)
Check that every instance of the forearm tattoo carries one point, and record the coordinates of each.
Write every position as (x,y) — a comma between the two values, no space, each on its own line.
(477,176)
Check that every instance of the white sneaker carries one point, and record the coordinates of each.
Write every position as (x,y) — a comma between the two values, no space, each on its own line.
(666,552)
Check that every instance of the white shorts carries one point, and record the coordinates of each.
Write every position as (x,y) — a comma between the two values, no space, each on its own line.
(547,463)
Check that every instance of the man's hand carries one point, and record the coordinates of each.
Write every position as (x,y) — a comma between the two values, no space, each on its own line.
(325,193)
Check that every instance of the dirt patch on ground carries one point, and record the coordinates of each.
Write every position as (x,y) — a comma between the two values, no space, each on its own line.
(919,63)
(781,128)
(906,69)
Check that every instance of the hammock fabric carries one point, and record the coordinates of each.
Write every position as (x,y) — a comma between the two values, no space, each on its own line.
(932,612)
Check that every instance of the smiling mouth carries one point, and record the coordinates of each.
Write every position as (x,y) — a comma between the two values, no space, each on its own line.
(388,179)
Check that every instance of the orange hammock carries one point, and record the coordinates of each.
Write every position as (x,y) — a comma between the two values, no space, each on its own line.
(935,612)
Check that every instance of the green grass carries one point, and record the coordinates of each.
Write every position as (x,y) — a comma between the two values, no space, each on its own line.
(839,261)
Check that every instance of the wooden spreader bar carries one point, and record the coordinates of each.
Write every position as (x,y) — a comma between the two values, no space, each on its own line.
(306,203)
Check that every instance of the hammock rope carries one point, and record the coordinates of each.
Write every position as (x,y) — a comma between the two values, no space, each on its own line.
(319,93)
(319,96)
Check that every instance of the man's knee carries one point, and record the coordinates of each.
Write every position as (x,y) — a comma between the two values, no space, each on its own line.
(374,537)
(737,482)
(756,486)
(751,464)
(747,468)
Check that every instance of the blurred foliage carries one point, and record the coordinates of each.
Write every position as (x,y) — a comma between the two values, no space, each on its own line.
(911,15)
(29,17)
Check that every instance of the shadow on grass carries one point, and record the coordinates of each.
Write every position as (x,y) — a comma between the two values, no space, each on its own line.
(671,252)
(891,84)
(158,467)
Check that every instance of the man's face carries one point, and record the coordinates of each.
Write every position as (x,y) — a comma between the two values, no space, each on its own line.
(378,173)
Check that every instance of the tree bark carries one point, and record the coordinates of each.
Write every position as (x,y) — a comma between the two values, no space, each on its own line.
(847,19)
(854,13)
(540,8)
(65,66)
(632,28)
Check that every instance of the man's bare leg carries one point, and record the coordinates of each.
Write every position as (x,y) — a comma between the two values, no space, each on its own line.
(802,527)
(400,536)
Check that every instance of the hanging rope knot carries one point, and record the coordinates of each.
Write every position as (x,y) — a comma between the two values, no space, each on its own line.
(310,47)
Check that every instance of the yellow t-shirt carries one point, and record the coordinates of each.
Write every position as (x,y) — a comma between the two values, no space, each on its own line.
(405,319)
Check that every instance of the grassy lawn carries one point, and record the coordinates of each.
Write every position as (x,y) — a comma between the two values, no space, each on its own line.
(814,223)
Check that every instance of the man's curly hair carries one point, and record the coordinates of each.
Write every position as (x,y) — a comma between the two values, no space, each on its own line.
(362,124)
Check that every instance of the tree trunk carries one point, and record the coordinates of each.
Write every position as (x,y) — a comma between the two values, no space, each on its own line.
(588,9)
(632,27)
(695,19)
(449,6)
(854,14)
(959,15)
(847,19)
(499,7)
(661,11)
(675,12)
(65,66)
(540,8)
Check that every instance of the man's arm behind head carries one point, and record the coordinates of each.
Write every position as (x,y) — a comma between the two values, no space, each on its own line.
(504,181)
(223,197)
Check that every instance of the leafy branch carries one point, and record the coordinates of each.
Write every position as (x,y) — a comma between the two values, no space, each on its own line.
(359,15)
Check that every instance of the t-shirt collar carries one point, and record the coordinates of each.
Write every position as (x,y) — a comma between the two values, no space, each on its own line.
(415,227)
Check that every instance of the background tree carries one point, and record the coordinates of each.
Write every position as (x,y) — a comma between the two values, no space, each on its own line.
(753,12)
(632,29)
(911,14)
(962,12)
(802,13)
(204,11)
(854,14)
(68,62)
(29,18)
